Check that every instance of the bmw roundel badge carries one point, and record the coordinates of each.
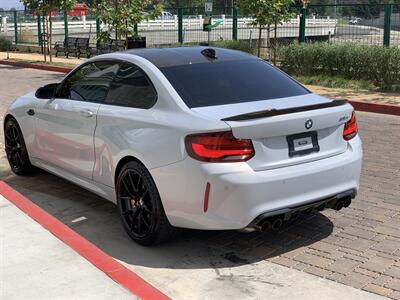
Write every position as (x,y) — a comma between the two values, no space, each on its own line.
(308,124)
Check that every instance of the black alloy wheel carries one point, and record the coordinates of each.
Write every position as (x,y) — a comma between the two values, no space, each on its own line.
(16,152)
(140,208)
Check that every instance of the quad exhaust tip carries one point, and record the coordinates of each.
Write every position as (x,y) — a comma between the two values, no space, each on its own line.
(342,203)
(276,222)
(264,226)
(338,205)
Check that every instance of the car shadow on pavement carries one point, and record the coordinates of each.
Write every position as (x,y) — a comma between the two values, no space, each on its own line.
(6,67)
(55,78)
(97,221)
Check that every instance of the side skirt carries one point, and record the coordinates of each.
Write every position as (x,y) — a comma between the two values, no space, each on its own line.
(99,189)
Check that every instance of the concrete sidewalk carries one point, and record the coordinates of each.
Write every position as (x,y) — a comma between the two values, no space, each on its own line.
(35,264)
(357,95)
(261,280)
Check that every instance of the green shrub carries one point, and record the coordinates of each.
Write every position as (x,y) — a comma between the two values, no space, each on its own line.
(241,45)
(335,82)
(377,64)
(5,44)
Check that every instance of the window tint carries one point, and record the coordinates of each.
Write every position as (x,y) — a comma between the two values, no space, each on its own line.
(90,83)
(229,82)
(131,87)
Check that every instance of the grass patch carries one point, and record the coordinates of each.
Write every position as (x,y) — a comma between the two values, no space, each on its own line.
(336,82)
(56,64)
(41,62)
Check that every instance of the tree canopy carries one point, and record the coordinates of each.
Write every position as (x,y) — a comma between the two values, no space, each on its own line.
(49,5)
(122,15)
(266,12)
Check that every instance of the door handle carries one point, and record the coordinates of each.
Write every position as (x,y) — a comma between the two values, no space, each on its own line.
(30,112)
(86,113)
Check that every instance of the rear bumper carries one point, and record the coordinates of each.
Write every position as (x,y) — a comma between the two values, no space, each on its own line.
(238,194)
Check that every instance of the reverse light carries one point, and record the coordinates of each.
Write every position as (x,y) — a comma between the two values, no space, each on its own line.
(218,147)
(350,128)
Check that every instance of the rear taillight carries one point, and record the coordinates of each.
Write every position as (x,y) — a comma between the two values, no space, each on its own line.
(350,128)
(218,147)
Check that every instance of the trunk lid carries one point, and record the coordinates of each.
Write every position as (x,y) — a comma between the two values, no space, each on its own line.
(282,138)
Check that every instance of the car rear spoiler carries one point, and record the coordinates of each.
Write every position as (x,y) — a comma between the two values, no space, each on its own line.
(277,112)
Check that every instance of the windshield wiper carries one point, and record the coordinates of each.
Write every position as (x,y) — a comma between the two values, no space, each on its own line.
(277,112)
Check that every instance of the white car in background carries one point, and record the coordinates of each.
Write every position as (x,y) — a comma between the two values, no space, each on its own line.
(165,15)
(189,137)
(354,21)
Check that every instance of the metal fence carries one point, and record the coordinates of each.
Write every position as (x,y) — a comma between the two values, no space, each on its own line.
(395,25)
(371,24)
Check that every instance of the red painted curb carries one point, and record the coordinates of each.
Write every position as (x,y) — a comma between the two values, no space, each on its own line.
(86,249)
(35,66)
(387,109)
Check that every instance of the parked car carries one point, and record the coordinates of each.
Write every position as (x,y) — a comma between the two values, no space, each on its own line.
(354,21)
(189,137)
(192,17)
(165,15)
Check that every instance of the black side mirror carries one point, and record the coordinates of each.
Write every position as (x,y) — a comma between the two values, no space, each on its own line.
(47,91)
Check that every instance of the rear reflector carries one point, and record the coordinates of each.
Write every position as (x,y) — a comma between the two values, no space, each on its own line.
(206,196)
(350,128)
(218,147)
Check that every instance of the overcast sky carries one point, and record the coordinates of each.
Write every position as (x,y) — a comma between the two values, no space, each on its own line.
(7,4)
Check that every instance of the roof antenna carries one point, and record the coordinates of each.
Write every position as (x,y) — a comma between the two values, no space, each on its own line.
(210,53)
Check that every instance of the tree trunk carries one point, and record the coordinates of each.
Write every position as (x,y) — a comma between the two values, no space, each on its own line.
(259,41)
(47,35)
(116,40)
(126,36)
(275,42)
(269,42)
(44,47)
(50,38)
(127,3)
(116,28)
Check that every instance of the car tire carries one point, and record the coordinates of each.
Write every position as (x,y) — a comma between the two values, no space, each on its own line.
(140,208)
(17,154)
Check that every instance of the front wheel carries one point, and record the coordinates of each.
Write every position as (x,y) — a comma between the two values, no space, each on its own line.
(140,208)
(16,152)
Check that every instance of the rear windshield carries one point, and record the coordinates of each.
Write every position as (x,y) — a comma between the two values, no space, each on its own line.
(229,82)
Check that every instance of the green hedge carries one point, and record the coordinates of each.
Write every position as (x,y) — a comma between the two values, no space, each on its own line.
(378,64)
(5,44)
(242,45)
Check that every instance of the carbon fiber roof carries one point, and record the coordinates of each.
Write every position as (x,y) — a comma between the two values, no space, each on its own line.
(168,57)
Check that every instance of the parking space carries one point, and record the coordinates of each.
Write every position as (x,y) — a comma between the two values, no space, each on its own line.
(358,246)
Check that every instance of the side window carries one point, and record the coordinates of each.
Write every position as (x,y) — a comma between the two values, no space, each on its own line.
(90,83)
(131,87)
